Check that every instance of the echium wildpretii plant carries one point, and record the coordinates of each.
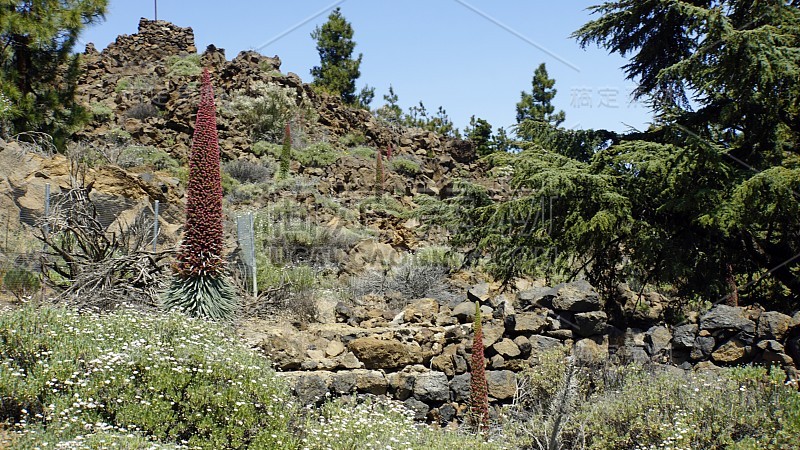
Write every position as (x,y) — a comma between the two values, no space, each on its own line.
(379,176)
(286,152)
(389,152)
(200,286)
(478,414)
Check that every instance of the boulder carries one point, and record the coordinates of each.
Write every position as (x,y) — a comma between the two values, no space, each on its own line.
(658,339)
(334,348)
(727,317)
(502,384)
(536,296)
(591,323)
(732,351)
(419,408)
(310,388)
(421,311)
(343,382)
(591,351)
(702,348)
(492,334)
(540,344)
(431,387)
(683,335)
(507,348)
(773,325)
(459,387)
(479,293)
(382,354)
(370,381)
(524,345)
(529,323)
(577,296)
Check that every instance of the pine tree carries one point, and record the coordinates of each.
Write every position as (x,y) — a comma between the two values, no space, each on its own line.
(478,387)
(705,200)
(338,70)
(480,133)
(39,70)
(200,287)
(537,105)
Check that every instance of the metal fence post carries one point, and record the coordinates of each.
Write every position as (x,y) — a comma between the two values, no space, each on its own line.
(155,225)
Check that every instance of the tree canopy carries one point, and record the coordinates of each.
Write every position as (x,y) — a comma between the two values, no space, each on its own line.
(40,72)
(338,69)
(537,104)
(705,203)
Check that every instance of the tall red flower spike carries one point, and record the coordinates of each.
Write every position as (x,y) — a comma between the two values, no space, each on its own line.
(201,250)
(479,388)
(379,175)
(389,152)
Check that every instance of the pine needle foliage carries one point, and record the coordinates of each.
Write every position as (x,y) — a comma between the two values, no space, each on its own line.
(704,203)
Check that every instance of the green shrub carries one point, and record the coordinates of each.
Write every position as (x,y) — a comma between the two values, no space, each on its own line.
(639,408)
(264,148)
(172,379)
(101,112)
(439,255)
(184,66)
(360,152)
(320,154)
(246,172)
(123,84)
(405,166)
(354,138)
(155,158)
(21,282)
(383,205)
(266,108)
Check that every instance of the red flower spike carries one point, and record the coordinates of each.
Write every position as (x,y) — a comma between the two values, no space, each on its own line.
(201,250)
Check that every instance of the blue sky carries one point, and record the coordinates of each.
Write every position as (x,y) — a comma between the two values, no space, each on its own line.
(469,56)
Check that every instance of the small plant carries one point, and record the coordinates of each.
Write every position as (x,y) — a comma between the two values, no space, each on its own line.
(142,111)
(320,154)
(184,66)
(361,152)
(264,148)
(478,414)
(101,112)
(138,155)
(246,172)
(352,139)
(286,152)
(405,166)
(389,152)
(21,282)
(266,108)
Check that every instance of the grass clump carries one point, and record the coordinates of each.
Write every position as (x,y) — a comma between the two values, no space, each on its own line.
(160,378)
(362,152)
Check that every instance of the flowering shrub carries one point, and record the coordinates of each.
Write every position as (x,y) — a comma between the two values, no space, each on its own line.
(379,176)
(200,287)
(377,423)
(478,388)
(67,380)
(286,151)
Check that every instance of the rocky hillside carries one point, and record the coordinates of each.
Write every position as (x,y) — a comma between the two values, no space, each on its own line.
(385,307)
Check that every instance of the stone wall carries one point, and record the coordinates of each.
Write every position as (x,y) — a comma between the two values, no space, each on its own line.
(421,354)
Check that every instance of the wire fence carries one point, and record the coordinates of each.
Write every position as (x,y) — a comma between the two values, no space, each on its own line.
(32,219)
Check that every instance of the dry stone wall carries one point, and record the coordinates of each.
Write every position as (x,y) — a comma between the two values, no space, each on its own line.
(420,355)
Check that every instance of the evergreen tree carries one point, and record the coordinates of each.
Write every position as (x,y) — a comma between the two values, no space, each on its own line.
(391,111)
(480,133)
(200,287)
(39,71)
(703,203)
(537,105)
(338,70)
